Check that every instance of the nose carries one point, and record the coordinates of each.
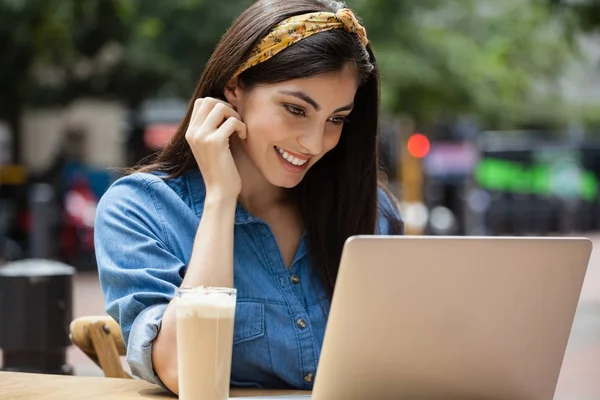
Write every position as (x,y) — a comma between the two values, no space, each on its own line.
(312,141)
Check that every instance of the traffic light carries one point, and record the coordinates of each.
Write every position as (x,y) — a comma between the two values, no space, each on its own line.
(418,145)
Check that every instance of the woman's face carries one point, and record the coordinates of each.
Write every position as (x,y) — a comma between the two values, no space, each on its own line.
(292,124)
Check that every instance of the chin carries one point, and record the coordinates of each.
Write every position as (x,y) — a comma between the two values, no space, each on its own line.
(285,181)
(287,184)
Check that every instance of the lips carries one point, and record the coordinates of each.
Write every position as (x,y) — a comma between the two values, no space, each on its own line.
(291,162)
(298,162)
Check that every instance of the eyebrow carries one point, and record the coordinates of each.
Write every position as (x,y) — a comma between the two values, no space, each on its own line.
(306,98)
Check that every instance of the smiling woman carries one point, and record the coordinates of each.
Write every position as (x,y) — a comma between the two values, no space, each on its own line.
(298,122)
(272,169)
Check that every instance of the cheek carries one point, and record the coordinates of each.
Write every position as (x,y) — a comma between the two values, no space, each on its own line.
(265,129)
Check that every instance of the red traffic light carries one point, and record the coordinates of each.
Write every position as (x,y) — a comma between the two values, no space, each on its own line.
(418,145)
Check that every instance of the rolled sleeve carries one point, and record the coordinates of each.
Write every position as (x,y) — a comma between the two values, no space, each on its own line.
(139,349)
(138,271)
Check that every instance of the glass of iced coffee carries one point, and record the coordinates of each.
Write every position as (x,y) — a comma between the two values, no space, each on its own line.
(205,318)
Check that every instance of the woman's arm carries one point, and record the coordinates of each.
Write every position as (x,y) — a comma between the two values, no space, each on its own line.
(211,264)
(138,267)
(212,123)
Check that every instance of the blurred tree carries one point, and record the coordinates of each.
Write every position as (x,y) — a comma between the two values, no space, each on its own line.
(587,12)
(587,21)
(487,58)
(49,47)
(497,60)
(54,51)
(129,49)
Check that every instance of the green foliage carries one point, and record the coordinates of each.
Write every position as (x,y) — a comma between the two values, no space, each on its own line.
(59,50)
(477,57)
(587,12)
(494,60)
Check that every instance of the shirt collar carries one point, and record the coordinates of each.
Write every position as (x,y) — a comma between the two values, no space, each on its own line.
(197,194)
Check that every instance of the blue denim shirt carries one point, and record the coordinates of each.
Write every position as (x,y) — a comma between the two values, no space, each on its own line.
(145,229)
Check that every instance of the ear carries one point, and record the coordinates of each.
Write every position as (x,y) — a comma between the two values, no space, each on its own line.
(233,92)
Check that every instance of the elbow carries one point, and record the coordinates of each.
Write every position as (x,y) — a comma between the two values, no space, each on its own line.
(165,367)
(170,379)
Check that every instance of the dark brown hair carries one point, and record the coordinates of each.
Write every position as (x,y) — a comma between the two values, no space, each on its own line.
(339,195)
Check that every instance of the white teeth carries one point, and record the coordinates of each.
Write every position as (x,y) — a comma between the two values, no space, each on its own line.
(290,158)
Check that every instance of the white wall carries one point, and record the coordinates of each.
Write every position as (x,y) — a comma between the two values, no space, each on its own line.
(103,122)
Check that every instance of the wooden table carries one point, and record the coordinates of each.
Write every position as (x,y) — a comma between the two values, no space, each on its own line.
(21,386)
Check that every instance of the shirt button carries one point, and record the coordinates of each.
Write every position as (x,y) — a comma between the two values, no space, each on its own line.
(295,279)
(308,378)
(301,323)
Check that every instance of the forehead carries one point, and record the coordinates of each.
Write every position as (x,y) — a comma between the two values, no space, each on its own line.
(330,90)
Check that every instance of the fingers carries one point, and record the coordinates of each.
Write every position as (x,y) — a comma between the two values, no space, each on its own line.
(228,127)
(214,121)
(195,112)
(205,106)
(217,115)
(202,107)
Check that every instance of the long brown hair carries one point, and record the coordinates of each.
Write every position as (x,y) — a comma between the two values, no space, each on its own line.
(339,195)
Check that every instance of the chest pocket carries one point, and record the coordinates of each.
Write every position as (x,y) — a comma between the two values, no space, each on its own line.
(251,361)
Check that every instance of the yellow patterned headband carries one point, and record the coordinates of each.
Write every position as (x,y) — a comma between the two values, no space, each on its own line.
(294,29)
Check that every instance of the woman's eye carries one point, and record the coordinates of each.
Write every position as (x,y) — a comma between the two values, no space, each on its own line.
(295,110)
(338,120)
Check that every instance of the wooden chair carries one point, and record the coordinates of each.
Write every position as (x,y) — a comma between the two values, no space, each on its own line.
(99,337)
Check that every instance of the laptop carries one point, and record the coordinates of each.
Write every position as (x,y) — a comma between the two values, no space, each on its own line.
(484,318)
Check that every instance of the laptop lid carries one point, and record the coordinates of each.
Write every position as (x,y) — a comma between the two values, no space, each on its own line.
(451,317)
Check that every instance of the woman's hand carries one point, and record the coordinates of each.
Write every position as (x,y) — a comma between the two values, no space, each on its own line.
(213,122)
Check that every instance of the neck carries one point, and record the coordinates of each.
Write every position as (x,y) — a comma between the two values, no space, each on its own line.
(257,193)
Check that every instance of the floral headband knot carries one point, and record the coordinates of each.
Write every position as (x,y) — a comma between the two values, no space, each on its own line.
(296,28)
(351,24)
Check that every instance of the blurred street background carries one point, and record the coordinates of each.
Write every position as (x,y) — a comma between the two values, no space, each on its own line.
(490,124)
